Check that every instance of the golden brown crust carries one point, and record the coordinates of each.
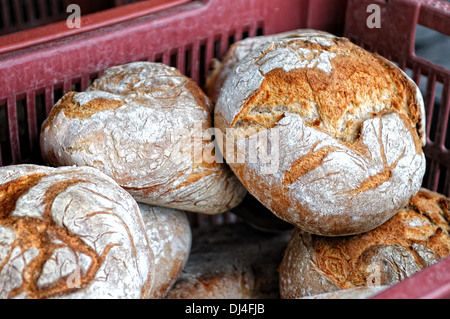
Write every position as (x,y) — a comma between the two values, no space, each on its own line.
(413,239)
(360,83)
(73,109)
(219,70)
(45,252)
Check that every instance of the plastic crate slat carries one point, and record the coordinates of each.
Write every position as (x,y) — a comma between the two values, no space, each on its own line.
(181,59)
(33,131)
(84,82)
(209,52)
(42,9)
(429,99)
(417,74)
(5,15)
(48,99)
(195,61)
(435,169)
(30,10)
(17,10)
(443,115)
(13,129)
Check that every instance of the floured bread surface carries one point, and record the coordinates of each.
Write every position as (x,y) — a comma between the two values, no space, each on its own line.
(316,127)
(415,238)
(236,52)
(70,232)
(231,261)
(170,237)
(149,128)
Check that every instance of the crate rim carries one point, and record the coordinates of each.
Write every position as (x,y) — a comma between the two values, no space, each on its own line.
(93,21)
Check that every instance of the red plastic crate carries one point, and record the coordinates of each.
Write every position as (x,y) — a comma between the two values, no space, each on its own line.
(39,65)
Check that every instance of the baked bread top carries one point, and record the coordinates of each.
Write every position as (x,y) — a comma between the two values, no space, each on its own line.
(219,70)
(333,84)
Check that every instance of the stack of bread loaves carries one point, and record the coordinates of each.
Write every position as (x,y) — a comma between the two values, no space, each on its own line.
(329,138)
(130,157)
(322,138)
(73,232)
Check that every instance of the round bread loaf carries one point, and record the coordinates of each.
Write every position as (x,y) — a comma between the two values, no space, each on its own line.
(416,237)
(231,261)
(315,128)
(169,235)
(70,232)
(149,128)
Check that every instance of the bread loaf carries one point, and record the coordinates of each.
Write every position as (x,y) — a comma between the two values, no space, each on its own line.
(169,235)
(149,128)
(416,237)
(70,232)
(231,261)
(315,128)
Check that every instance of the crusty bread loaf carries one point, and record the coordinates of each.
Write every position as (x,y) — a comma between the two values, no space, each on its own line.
(315,128)
(70,232)
(145,125)
(169,235)
(231,261)
(416,237)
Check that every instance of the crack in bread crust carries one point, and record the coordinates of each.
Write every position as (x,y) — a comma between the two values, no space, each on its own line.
(307,163)
(359,84)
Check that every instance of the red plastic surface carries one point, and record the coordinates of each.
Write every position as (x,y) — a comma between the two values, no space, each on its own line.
(17,15)
(58,30)
(38,66)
